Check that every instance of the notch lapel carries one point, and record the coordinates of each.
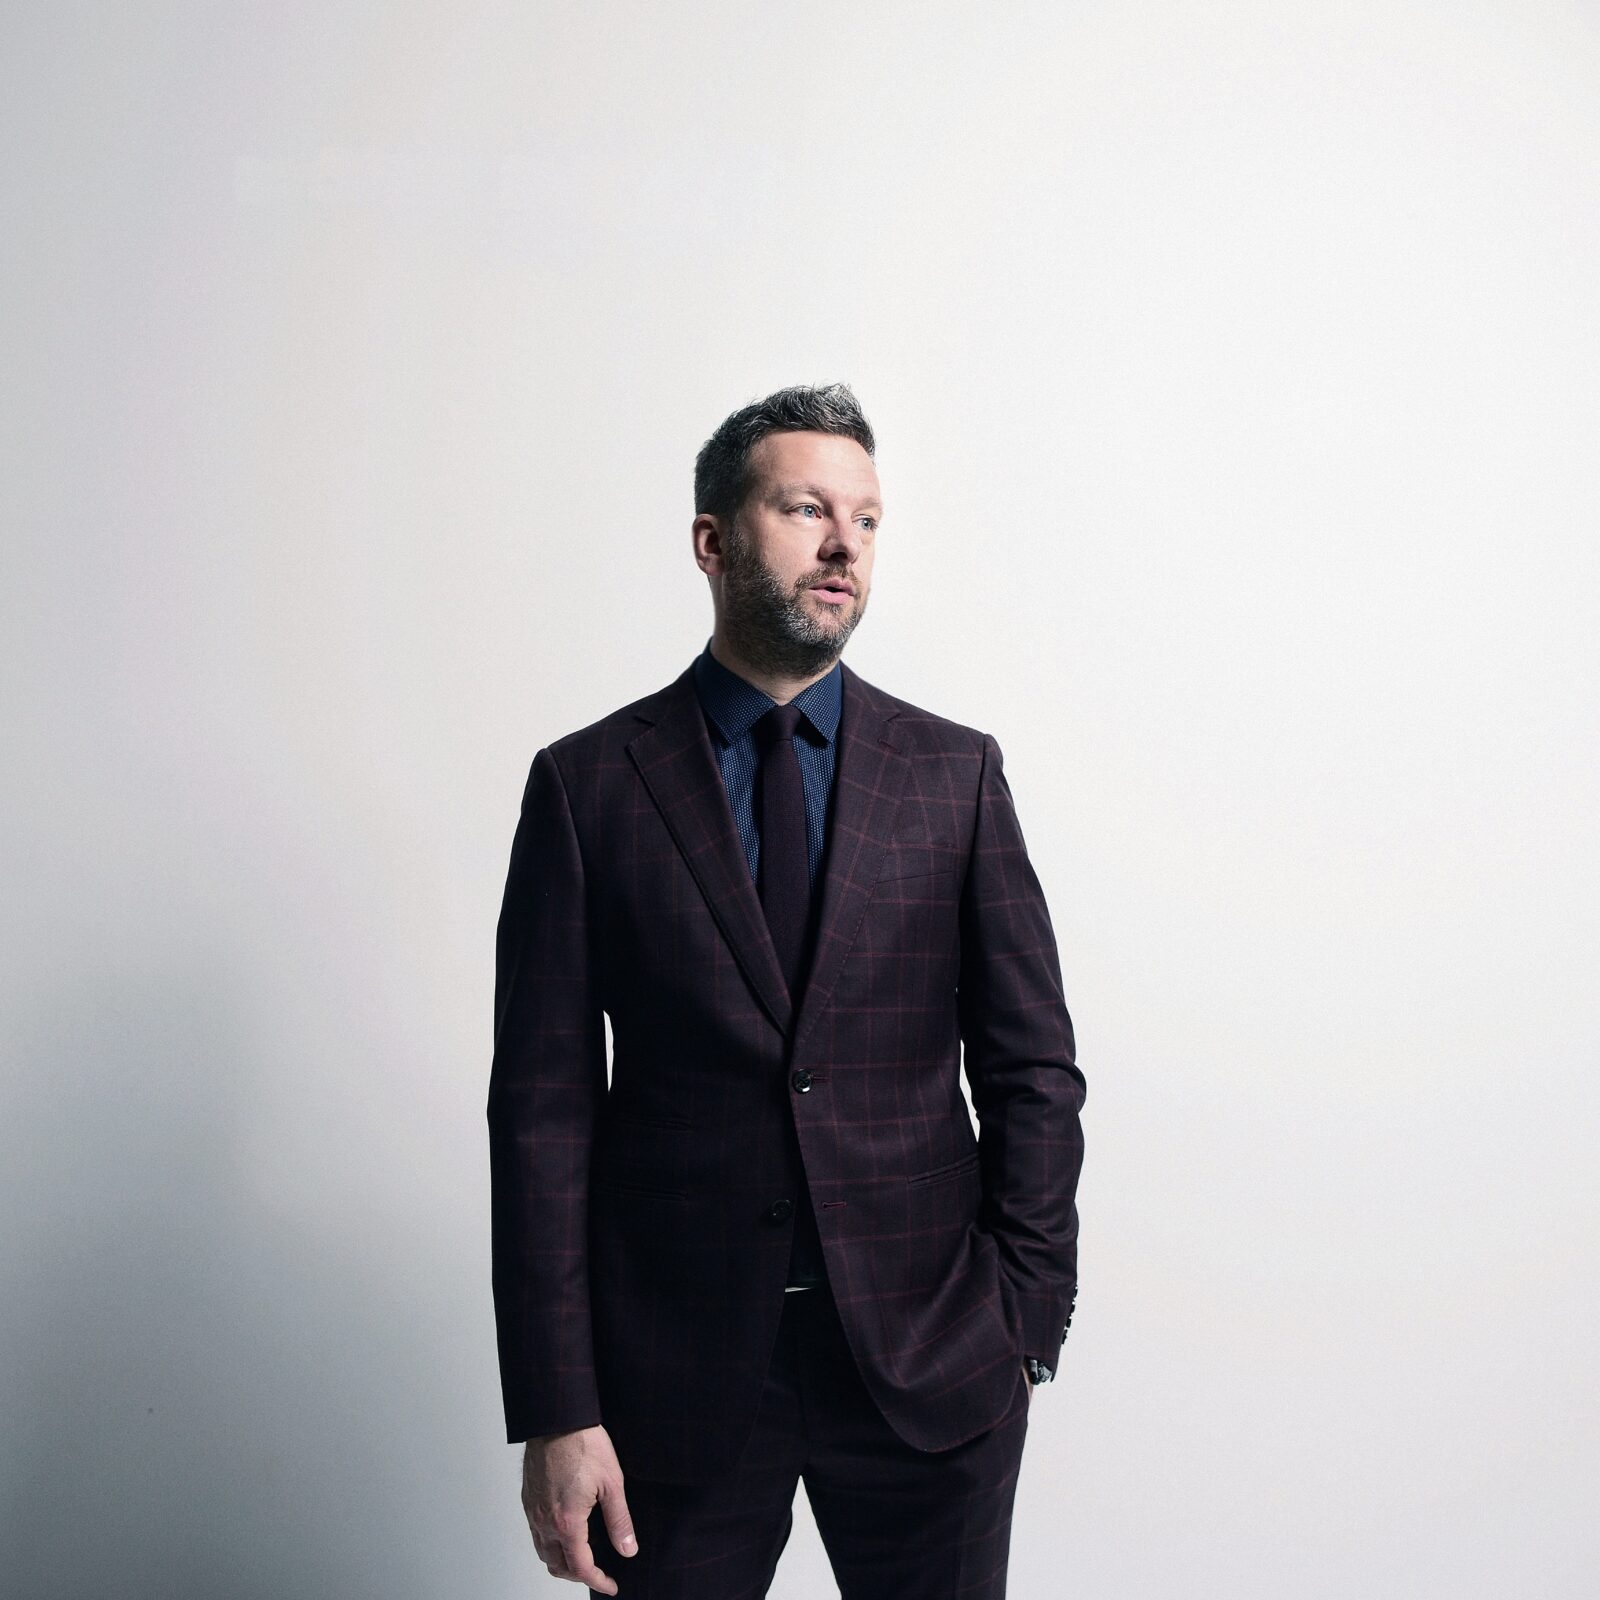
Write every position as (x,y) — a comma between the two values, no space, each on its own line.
(868,780)
(675,759)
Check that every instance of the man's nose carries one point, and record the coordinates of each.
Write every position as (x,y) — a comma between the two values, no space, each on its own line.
(843,536)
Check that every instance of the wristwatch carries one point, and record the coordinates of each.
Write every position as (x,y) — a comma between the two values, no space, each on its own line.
(1037,1370)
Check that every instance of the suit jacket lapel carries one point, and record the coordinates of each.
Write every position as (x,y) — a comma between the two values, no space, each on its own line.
(679,767)
(676,761)
(868,781)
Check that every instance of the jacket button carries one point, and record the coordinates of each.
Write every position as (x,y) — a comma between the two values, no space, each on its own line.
(801,1080)
(780,1210)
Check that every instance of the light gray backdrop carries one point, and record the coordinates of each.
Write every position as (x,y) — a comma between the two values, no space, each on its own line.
(1235,371)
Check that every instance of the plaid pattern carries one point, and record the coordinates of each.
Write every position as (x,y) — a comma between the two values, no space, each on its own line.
(895,1522)
(641,1235)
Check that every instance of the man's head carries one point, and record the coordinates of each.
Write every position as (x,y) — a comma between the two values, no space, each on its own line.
(787,502)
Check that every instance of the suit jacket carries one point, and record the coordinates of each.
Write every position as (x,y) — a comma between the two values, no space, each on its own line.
(641,1229)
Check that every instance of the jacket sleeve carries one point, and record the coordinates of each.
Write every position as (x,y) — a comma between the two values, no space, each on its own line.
(546,1084)
(1020,1059)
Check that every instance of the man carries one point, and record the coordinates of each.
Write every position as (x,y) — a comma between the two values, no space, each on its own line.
(771,1250)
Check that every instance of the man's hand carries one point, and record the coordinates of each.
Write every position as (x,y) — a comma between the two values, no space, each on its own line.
(564,1476)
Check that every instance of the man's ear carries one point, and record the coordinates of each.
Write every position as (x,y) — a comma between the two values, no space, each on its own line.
(707,535)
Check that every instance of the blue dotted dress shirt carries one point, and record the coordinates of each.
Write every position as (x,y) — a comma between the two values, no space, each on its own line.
(732,707)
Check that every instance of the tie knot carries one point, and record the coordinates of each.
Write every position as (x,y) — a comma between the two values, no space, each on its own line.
(779,722)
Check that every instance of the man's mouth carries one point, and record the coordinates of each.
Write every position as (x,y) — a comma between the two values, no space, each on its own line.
(835,593)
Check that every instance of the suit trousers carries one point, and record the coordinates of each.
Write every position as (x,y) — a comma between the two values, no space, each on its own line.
(897,1523)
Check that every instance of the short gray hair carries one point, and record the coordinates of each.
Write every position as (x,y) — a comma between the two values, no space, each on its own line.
(722,469)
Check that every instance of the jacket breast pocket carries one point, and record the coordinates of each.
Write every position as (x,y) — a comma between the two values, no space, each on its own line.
(919,856)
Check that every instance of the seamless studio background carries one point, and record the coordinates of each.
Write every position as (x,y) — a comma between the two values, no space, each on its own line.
(1234,367)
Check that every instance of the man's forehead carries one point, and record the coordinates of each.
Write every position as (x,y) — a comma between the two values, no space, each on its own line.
(821,464)
(789,486)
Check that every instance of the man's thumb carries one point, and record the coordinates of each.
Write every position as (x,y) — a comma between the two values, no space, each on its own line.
(619,1525)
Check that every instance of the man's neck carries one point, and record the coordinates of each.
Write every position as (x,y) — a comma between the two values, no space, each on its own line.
(782,689)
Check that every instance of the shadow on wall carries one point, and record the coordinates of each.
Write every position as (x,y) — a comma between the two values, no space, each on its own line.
(206,1391)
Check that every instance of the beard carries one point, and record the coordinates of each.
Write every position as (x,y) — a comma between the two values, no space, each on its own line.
(776,628)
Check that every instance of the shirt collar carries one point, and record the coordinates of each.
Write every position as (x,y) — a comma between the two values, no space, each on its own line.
(733,704)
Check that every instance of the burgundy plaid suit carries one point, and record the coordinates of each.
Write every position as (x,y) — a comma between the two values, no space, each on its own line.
(641,1235)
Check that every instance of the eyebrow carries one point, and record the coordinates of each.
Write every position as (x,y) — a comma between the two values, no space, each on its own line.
(784,490)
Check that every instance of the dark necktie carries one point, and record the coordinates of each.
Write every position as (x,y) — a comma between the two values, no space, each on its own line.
(785,870)
(785,888)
